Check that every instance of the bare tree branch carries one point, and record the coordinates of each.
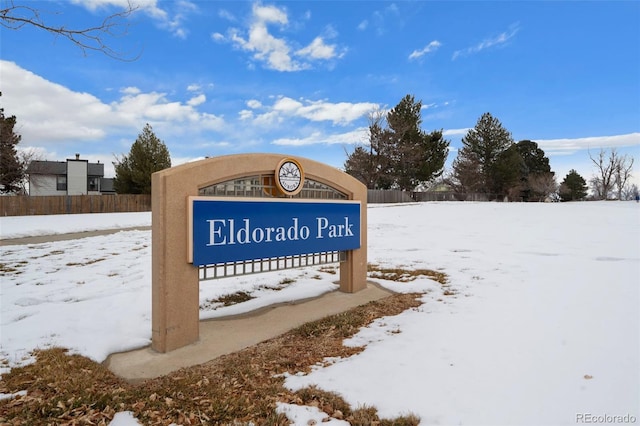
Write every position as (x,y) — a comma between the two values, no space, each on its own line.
(15,17)
(613,172)
(623,173)
(603,182)
(542,184)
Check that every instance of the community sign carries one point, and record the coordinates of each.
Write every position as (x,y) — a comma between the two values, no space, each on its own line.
(224,230)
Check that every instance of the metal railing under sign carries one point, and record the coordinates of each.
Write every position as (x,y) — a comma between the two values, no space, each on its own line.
(229,269)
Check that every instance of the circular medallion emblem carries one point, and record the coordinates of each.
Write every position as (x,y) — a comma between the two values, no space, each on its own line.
(289,176)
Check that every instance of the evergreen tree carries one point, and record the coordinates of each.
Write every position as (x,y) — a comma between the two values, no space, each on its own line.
(467,176)
(573,187)
(372,165)
(506,173)
(11,168)
(359,164)
(536,171)
(402,154)
(418,156)
(148,155)
(482,147)
(534,158)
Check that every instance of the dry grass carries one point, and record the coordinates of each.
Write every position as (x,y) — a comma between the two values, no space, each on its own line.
(226,300)
(88,262)
(240,296)
(285,281)
(404,275)
(233,299)
(238,388)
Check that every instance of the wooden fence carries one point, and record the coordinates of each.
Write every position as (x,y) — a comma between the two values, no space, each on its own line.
(70,204)
(388,196)
(397,196)
(452,196)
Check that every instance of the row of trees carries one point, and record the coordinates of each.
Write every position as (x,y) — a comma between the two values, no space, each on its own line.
(399,154)
(491,163)
(613,172)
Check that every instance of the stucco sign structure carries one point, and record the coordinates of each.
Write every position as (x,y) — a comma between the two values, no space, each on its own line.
(247,212)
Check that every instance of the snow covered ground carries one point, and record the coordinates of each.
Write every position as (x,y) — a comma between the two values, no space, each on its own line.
(31,226)
(543,328)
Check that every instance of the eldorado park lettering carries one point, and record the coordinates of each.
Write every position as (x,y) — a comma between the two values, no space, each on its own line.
(223,231)
(226,230)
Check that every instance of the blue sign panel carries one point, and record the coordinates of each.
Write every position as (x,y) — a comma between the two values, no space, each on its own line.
(234,230)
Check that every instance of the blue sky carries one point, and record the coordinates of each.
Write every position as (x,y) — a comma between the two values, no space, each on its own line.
(300,78)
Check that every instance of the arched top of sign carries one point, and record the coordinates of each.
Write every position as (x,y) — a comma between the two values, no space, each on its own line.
(265,186)
(289,176)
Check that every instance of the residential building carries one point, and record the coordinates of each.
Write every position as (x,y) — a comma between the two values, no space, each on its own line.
(71,177)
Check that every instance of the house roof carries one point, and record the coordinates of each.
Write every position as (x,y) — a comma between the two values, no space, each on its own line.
(95,169)
(47,168)
(60,168)
(106,185)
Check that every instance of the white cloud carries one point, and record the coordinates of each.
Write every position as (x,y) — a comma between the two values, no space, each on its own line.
(314,138)
(455,132)
(382,19)
(431,47)
(341,113)
(245,115)
(393,8)
(268,119)
(490,42)
(252,103)
(197,100)
(172,21)
(207,121)
(287,105)
(218,37)
(269,14)
(94,5)
(39,118)
(225,14)
(82,117)
(130,90)
(570,146)
(273,51)
(277,53)
(349,138)
(318,50)
(154,106)
(194,88)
